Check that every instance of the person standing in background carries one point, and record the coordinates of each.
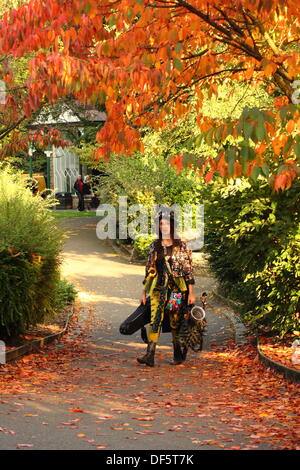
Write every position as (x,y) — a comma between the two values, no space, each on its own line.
(86,185)
(79,189)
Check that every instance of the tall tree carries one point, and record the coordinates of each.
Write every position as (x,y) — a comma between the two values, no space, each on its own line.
(146,58)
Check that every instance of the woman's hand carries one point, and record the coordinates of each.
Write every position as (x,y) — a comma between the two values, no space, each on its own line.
(191,298)
(143,298)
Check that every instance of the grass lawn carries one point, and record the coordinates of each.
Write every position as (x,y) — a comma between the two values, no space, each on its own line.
(70,214)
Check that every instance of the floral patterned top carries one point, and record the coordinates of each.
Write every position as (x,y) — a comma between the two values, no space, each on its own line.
(180,261)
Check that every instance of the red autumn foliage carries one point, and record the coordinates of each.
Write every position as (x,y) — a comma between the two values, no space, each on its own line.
(142,59)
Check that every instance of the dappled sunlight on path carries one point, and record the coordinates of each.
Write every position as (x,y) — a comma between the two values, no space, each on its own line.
(222,399)
(89,392)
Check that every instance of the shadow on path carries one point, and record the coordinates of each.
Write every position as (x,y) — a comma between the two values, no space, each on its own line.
(89,392)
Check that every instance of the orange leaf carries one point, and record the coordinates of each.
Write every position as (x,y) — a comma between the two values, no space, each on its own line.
(269,68)
(209,176)
(290,126)
(249,73)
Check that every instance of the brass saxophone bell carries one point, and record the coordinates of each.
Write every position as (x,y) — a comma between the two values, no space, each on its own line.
(197,313)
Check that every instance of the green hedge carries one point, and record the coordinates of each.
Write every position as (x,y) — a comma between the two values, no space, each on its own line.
(30,245)
(253,237)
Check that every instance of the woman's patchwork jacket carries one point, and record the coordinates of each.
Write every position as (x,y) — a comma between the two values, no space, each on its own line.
(181,262)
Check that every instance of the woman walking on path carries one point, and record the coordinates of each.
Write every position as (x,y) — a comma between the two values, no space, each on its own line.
(169,282)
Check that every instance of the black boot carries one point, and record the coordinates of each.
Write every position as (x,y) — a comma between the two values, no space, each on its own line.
(148,359)
(184,352)
(177,354)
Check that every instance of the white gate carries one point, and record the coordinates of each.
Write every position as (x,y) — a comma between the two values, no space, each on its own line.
(65,170)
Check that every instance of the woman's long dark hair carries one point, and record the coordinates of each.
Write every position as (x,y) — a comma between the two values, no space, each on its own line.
(170,218)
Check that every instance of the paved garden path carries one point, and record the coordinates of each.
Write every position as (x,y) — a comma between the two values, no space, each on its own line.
(89,392)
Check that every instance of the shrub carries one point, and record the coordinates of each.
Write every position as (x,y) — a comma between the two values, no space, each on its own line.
(66,294)
(30,245)
(148,180)
(253,238)
(141,245)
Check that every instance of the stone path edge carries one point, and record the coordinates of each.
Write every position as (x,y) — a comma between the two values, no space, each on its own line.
(289,373)
(239,327)
(36,344)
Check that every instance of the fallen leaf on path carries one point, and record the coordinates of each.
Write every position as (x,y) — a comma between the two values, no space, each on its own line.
(72,422)
(176,427)
(143,432)
(146,418)
(76,410)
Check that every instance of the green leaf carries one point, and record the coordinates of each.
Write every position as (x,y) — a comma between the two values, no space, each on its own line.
(288,144)
(102,96)
(260,129)
(240,127)
(177,64)
(297,146)
(247,129)
(169,51)
(147,59)
(255,172)
(129,13)
(78,85)
(209,136)
(283,113)
(87,7)
(178,47)
(265,169)
(244,154)
(229,129)
(198,139)
(252,154)
(112,20)
(218,134)
(230,156)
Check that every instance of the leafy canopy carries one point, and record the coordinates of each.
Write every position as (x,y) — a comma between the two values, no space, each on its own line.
(146,58)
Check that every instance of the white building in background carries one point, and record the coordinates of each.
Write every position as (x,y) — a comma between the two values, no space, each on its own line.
(64,168)
(63,165)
